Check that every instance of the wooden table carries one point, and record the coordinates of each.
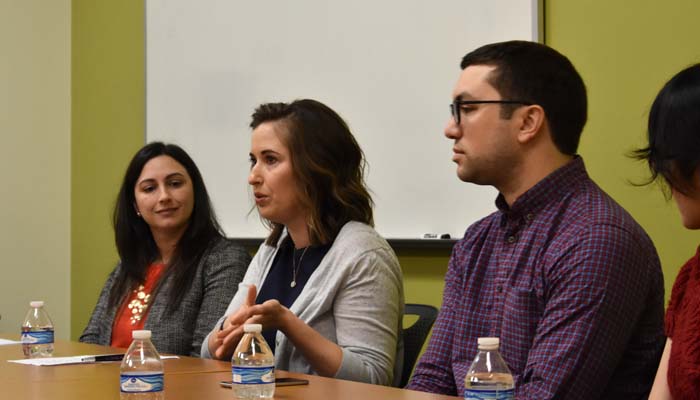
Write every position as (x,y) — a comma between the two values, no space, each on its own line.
(185,378)
(31,373)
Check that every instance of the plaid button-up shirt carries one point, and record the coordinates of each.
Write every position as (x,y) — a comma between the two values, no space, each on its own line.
(568,281)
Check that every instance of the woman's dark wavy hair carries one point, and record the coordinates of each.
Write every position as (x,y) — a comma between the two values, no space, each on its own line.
(134,240)
(328,165)
(674,133)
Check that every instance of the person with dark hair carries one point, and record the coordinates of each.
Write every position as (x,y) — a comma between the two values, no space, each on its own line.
(176,267)
(563,275)
(325,286)
(673,156)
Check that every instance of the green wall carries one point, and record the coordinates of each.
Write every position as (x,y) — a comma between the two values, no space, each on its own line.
(624,53)
(35,127)
(108,112)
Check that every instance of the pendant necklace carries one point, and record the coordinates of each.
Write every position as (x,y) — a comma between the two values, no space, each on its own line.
(295,268)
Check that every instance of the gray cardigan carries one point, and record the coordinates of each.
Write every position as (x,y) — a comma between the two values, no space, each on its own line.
(213,284)
(354,298)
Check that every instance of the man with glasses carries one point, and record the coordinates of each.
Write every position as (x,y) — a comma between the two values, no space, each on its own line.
(567,280)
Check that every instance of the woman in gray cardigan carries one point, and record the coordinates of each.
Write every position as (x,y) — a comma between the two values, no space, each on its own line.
(176,267)
(325,286)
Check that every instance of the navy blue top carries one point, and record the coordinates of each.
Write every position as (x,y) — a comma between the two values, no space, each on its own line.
(277,284)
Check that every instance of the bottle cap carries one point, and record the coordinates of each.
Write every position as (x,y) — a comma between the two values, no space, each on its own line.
(36,304)
(252,328)
(489,343)
(145,334)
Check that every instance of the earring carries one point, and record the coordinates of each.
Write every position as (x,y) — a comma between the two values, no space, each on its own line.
(138,213)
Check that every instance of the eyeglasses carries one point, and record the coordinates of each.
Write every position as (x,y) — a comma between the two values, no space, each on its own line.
(455,105)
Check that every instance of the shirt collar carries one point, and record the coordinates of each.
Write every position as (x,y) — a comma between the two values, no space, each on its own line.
(547,190)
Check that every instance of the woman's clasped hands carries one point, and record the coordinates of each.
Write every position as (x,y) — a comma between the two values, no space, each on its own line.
(270,314)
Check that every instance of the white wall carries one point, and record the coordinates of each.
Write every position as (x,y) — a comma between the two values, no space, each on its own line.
(35,37)
(388,67)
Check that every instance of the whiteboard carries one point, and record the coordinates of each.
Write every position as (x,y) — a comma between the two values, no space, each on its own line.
(386,66)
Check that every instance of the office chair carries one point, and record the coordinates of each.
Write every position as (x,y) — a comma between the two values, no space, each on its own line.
(414,336)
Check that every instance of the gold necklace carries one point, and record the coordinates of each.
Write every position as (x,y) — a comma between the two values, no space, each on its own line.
(295,268)
(139,305)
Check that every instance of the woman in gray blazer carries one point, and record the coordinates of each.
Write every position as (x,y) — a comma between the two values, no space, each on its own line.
(177,269)
(325,286)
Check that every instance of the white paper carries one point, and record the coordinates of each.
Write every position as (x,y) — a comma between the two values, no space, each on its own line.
(64,360)
(7,341)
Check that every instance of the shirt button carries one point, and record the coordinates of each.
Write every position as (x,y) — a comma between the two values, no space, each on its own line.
(529,217)
(499,289)
(511,239)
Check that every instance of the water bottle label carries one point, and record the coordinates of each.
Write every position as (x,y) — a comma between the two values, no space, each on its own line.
(37,337)
(141,383)
(489,394)
(246,375)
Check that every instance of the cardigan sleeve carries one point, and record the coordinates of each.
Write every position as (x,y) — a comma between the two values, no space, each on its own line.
(98,330)
(224,268)
(251,277)
(366,310)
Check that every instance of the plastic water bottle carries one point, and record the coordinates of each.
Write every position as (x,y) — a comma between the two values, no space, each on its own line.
(37,332)
(141,372)
(253,366)
(488,378)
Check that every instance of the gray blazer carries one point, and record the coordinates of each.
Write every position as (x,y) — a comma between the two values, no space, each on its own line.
(354,298)
(214,283)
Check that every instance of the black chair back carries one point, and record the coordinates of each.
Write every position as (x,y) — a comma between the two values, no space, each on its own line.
(414,336)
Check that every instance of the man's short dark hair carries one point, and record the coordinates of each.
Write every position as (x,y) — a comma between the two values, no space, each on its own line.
(540,75)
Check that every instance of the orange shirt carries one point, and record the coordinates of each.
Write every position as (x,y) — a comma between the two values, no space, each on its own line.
(131,316)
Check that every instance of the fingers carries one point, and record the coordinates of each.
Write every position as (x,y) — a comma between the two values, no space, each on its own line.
(241,315)
(222,350)
(252,294)
(214,343)
(272,303)
(254,310)
(230,320)
(229,343)
(227,338)
(234,336)
(222,353)
(270,306)
(271,314)
(220,335)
